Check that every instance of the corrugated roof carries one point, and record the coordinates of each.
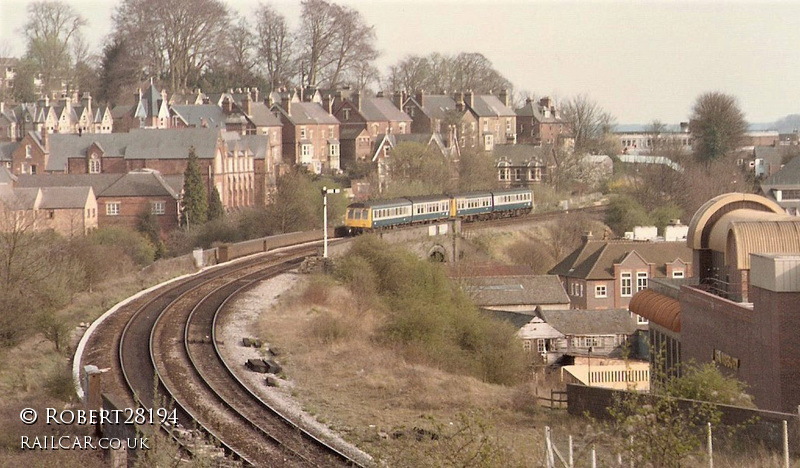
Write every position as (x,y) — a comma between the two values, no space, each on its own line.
(763,237)
(657,308)
(699,230)
(591,322)
(515,290)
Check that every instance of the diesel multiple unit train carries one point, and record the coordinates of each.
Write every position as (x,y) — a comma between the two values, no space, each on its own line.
(385,214)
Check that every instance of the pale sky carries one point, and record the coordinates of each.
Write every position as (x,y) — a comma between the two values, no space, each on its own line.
(640,61)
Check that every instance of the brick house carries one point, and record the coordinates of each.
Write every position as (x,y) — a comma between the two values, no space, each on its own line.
(226,159)
(375,115)
(783,187)
(496,122)
(69,211)
(540,123)
(436,113)
(120,198)
(605,274)
(310,135)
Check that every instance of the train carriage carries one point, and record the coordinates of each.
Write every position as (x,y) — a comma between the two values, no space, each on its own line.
(511,202)
(430,208)
(377,214)
(471,205)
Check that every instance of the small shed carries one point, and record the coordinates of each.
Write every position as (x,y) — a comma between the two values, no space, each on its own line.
(539,336)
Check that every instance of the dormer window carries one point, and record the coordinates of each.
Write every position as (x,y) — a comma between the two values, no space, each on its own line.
(94,166)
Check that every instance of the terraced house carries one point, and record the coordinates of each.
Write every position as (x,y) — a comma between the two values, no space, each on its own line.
(310,134)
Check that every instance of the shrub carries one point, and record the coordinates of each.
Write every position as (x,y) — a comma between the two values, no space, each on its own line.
(133,244)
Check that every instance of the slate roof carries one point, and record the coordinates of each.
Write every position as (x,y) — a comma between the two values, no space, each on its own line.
(522,155)
(516,319)
(257,144)
(309,113)
(24,198)
(490,106)
(488,270)
(515,290)
(138,144)
(788,176)
(382,109)
(54,198)
(591,322)
(262,116)
(6,177)
(595,259)
(351,132)
(437,106)
(141,183)
(532,109)
(196,115)
(6,149)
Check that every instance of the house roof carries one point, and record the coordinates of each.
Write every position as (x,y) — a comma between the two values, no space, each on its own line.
(381,109)
(590,322)
(54,198)
(140,183)
(515,290)
(595,259)
(308,113)
(437,106)
(6,177)
(533,109)
(351,132)
(257,144)
(6,149)
(524,155)
(262,116)
(208,115)
(490,106)
(537,328)
(120,111)
(788,176)
(138,144)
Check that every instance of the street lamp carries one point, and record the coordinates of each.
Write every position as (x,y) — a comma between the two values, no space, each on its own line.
(325,192)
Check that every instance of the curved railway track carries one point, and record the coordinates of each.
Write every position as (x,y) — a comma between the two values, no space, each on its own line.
(169,332)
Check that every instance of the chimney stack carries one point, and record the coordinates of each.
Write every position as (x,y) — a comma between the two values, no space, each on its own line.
(587,236)
(246,104)
(357,100)
(469,98)
(286,103)
(254,92)
(419,97)
(504,97)
(399,97)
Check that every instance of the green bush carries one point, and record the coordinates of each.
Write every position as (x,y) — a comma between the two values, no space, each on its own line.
(135,245)
(428,317)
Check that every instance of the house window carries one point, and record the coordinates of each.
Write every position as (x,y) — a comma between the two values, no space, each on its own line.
(517,174)
(485,125)
(158,208)
(346,114)
(305,153)
(302,132)
(641,320)
(28,152)
(503,173)
(112,209)
(331,133)
(791,194)
(334,150)
(541,346)
(641,281)
(488,142)
(625,285)
(535,174)
(94,166)
(508,125)
(677,274)
(600,291)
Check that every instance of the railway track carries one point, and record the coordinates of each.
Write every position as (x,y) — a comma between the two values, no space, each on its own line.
(169,332)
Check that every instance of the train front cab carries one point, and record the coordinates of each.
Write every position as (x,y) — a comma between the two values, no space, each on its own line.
(358,218)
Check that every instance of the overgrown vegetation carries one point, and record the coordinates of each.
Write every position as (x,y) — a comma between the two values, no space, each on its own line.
(663,429)
(426,317)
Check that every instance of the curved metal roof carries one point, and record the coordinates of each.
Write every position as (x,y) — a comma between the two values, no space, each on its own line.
(657,308)
(745,238)
(699,226)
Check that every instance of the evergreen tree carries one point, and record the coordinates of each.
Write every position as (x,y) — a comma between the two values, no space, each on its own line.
(194,205)
(215,208)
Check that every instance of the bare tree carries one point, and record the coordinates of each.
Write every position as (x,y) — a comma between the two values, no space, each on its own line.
(240,48)
(274,46)
(354,44)
(589,122)
(439,72)
(176,39)
(717,125)
(316,37)
(52,30)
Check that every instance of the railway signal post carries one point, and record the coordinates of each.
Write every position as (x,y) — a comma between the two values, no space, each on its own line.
(325,192)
